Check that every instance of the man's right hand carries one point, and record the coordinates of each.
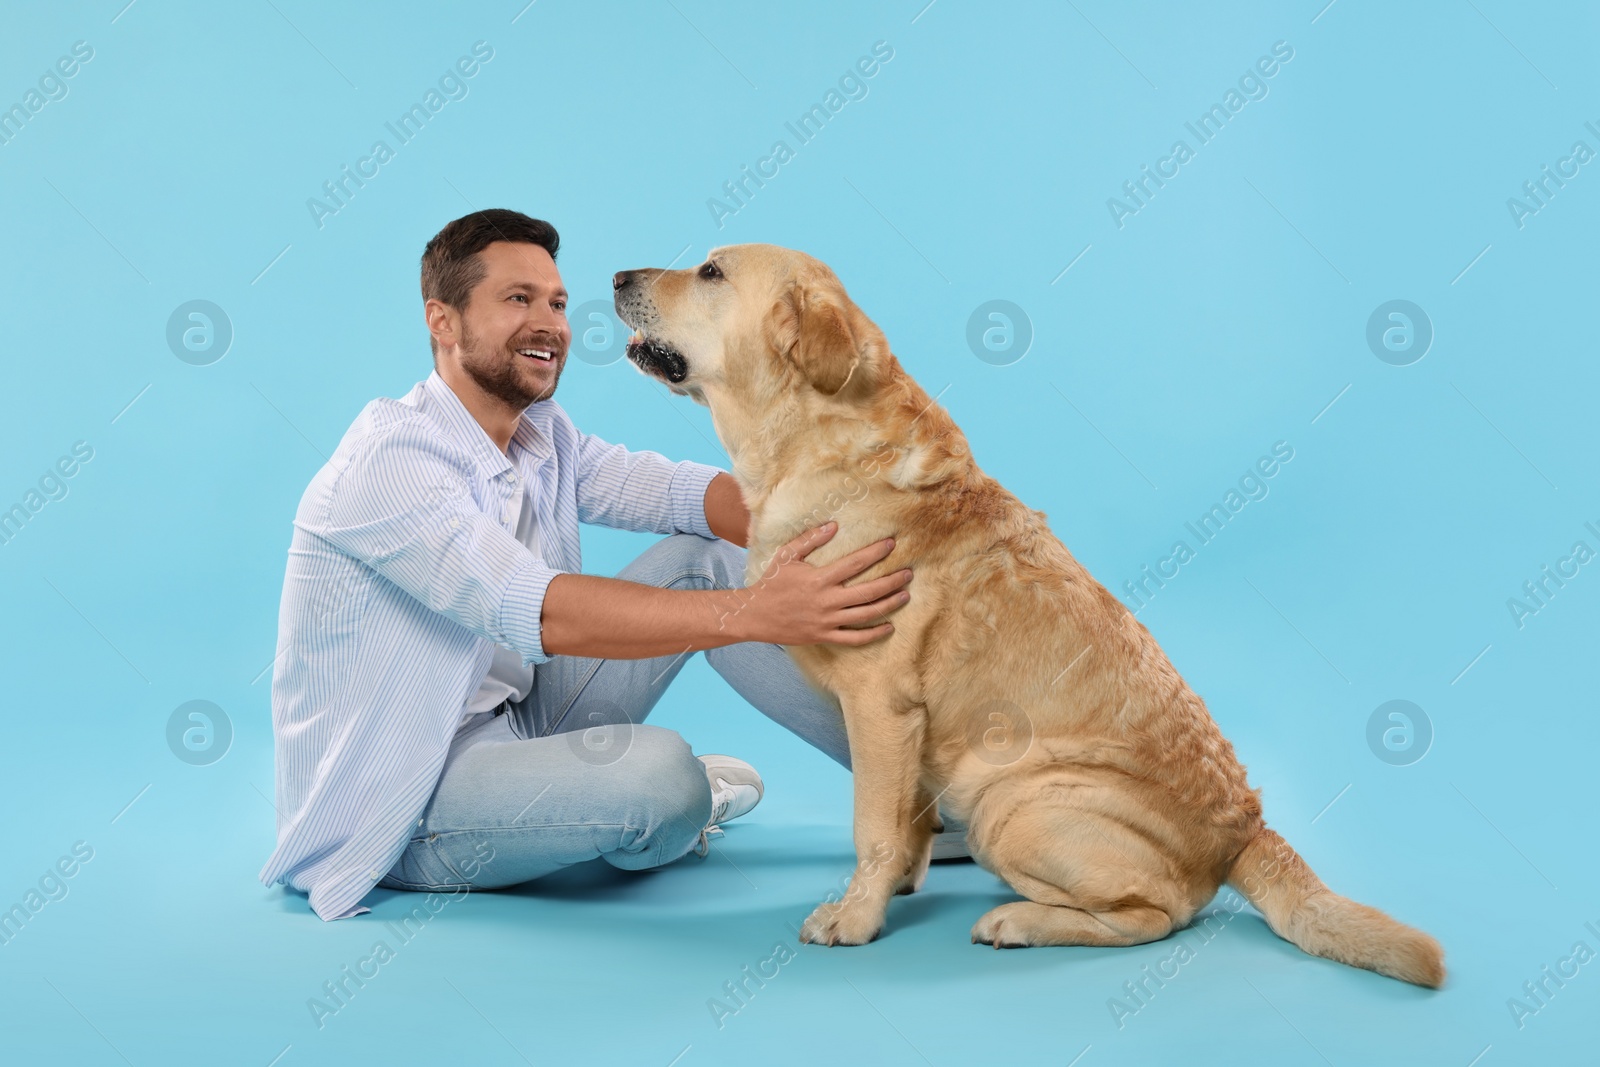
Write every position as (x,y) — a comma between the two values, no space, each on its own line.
(797,603)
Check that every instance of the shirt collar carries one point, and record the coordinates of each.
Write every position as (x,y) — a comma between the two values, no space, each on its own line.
(493,462)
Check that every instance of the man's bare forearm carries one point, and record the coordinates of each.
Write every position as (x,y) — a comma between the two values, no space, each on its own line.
(609,618)
(726,514)
(794,603)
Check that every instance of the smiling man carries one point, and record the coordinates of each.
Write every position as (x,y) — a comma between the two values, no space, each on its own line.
(454,705)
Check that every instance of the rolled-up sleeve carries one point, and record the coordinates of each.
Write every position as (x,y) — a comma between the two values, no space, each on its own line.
(403,506)
(641,491)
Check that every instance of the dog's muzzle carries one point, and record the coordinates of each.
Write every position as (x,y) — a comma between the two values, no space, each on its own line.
(634,307)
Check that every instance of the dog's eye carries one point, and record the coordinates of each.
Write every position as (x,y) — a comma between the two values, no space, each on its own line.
(710,271)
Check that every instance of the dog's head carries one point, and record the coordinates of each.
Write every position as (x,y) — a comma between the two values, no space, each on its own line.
(754,325)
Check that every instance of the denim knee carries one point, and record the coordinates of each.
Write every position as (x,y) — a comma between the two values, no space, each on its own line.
(672,557)
(669,799)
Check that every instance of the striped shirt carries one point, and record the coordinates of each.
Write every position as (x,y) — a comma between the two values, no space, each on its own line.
(404,574)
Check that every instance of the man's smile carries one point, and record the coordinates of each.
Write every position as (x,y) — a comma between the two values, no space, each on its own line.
(540,349)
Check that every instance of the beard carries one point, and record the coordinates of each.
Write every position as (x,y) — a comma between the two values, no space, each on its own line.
(498,372)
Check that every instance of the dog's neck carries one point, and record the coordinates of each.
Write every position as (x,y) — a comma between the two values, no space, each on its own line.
(802,462)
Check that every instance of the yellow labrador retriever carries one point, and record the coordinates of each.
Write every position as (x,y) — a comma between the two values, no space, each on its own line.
(1015,691)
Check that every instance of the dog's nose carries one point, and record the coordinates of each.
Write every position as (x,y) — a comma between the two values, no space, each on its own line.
(621,278)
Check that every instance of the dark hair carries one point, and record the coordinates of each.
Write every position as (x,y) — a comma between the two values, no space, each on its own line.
(451,266)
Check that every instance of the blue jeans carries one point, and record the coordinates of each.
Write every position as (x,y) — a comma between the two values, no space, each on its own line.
(573,773)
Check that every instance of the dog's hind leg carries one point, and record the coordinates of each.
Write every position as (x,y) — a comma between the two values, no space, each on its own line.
(1022,922)
(1090,879)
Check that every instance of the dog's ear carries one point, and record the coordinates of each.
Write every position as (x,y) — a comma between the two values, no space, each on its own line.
(813,330)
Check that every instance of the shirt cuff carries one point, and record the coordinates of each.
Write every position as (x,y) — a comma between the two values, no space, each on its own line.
(687,493)
(520,626)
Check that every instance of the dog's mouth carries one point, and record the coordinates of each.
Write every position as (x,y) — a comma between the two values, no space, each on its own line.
(657,358)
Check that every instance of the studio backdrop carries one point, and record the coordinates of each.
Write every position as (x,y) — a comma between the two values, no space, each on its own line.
(1282,312)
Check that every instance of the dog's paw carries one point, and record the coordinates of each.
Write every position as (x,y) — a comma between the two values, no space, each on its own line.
(1003,927)
(842,923)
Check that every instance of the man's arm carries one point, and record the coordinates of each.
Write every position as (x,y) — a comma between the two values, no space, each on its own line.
(640,491)
(795,603)
(726,514)
(402,505)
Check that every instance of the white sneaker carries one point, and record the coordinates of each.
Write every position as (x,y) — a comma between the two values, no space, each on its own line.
(951,844)
(735,789)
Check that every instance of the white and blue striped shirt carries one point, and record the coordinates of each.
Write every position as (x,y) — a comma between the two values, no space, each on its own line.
(404,574)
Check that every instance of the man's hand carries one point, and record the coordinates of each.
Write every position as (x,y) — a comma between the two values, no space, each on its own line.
(797,603)
(794,604)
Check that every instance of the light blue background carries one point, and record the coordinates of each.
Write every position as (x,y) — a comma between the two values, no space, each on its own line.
(1223,317)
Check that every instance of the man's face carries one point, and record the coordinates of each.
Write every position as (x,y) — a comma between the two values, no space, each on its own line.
(519,307)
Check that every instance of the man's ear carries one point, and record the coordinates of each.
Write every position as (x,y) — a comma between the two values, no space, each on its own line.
(437,315)
(813,331)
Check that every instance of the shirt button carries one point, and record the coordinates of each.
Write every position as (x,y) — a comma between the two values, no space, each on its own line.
(419,822)
(454,523)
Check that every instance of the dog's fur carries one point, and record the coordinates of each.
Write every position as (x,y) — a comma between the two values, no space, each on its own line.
(1015,692)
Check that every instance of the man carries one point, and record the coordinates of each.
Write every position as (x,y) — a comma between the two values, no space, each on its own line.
(454,705)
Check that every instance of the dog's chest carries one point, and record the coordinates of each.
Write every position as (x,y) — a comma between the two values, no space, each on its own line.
(800,504)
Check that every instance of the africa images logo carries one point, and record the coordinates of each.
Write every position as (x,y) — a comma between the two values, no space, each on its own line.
(852,85)
(1252,86)
(452,85)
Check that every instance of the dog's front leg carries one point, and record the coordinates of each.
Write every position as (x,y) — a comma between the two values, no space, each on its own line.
(885,756)
(925,823)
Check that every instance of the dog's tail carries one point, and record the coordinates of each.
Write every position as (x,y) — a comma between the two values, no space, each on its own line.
(1301,910)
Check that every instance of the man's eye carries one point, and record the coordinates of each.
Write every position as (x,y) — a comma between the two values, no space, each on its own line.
(518,296)
(560,305)
(710,271)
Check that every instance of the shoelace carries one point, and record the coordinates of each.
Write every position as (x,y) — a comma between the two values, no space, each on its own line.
(719,811)
(703,844)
